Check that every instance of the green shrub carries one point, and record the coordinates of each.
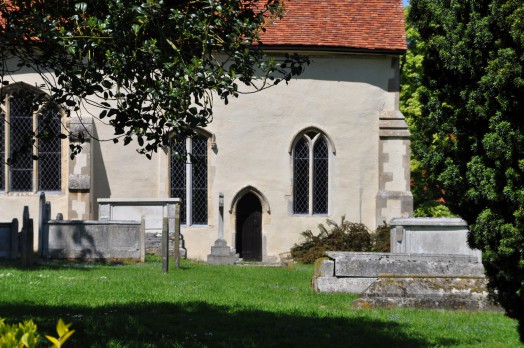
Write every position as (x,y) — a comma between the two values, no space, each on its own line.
(19,335)
(432,209)
(381,239)
(25,335)
(347,236)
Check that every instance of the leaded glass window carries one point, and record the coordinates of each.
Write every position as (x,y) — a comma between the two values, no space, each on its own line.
(199,177)
(21,124)
(189,179)
(311,174)
(178,175)
(17,126)
(49,151)
(320,177)
(301,179)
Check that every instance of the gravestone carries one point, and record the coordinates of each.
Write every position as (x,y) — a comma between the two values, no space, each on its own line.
(431,236)
(430,266)
(405,280)
(26,239)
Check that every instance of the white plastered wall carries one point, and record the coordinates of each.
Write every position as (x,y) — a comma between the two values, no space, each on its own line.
(342,95)
(339,95)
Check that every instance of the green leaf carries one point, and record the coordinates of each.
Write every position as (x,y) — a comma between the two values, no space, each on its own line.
(66,336)
(53,340)
(61,328)
(25,339)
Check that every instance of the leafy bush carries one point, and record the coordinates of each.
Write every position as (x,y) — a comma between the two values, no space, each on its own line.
(381,239)
(25,335)
(432,209)
(20,335)
(347,236)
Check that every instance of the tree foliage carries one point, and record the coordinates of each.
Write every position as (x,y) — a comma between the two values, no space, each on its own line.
(427,201)
(470,135)
(411,77)
(150,68)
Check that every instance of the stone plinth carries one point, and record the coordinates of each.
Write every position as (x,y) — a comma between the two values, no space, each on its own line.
(452,293)
(221,254)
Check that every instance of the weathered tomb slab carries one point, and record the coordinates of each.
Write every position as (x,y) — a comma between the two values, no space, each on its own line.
(342,285)
(324,280)
(94,240)
(430,236)
(153,210)
(371,265)
(430,292)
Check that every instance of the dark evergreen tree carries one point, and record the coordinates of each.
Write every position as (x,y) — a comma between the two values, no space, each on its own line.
(470,135)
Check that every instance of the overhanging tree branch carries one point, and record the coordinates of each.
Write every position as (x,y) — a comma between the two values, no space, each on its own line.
(151,67)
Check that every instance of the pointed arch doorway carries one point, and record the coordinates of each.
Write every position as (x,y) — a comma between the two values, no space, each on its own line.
(249,228)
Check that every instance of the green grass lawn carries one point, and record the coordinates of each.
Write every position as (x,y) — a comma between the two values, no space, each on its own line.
(199,305)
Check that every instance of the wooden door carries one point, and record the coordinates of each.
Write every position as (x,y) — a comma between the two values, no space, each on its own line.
(249,228)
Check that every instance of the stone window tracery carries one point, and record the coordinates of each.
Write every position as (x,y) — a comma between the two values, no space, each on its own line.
(311,174)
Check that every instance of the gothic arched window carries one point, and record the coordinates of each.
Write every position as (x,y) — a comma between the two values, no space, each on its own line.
(310,174)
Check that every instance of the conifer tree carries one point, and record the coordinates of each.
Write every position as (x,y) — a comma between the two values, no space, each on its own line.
(470,135)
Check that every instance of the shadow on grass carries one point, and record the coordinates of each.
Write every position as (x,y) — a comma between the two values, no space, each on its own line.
(198,324)
(58,264)
(84,264)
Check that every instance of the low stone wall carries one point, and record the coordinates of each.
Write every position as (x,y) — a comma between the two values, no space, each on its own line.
(396,280)
(9,239)
(95,240)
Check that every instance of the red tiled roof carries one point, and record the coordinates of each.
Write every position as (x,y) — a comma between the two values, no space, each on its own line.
(369,25)
(376,25)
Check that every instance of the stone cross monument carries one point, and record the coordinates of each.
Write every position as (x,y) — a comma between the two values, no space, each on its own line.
(221,254)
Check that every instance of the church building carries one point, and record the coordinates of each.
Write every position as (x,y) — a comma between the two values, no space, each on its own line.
(330,143)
